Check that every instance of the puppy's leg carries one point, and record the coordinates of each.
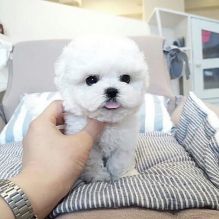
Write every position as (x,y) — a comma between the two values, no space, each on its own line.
(95,169)
(131,172)
(121,163)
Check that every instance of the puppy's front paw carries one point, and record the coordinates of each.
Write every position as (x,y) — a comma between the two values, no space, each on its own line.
(104,176)
(89,177)
(132,172)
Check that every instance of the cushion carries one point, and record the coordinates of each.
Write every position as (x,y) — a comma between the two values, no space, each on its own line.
(177,110)
(172,176)
(177,104)
(30,106)
(202,142)
(153,115)
(169,179)
(152,46)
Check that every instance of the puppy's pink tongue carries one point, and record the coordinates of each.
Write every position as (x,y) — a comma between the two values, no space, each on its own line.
(112,105)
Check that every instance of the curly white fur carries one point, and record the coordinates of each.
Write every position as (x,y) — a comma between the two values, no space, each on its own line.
(107,58)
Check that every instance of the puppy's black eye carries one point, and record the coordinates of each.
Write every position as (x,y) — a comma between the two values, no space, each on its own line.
(92,79)
(125,78)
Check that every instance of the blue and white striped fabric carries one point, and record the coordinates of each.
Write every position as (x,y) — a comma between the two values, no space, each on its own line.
(170,178)
(153,115)
(30,106)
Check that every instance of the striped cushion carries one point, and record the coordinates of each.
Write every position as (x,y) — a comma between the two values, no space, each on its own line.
(153,115)
(169,180)
(30,106)
(198,132)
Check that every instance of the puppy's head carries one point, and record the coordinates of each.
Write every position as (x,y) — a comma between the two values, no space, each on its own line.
(102,77)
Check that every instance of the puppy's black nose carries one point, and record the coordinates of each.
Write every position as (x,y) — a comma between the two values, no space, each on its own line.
(111,92)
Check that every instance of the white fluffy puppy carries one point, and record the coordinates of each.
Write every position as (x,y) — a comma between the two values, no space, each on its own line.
(104,78)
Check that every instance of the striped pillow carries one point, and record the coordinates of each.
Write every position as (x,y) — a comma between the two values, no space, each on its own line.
(153,115)
(30,106)
(198,132)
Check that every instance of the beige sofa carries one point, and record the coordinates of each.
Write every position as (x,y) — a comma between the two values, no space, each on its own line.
(32,71)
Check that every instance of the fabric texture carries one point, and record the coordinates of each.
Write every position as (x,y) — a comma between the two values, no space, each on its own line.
(177,59)
(178,104)
(30,106)
(170,178)
(153,115)
(152,47)
(202,142)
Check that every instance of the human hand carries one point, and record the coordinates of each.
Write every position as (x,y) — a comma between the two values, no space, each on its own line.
(53,161)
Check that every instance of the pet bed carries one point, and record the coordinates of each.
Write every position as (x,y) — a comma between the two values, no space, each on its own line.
(174,174)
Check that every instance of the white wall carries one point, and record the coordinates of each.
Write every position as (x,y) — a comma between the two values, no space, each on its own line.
(38,19)
(149,5)
(211,13)
(116,7)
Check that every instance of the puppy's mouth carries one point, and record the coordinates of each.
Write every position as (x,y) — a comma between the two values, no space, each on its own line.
(112,104)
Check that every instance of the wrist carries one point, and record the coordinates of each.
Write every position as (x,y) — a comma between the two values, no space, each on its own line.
(42,192)
(16,199)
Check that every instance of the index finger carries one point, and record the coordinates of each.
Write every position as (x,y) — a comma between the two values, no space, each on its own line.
(53,113)
(94,128)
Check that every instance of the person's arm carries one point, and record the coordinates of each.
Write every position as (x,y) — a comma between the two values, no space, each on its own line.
(52,162)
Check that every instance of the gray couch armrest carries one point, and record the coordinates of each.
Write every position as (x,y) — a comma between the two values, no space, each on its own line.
(2,124)
(2,118)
